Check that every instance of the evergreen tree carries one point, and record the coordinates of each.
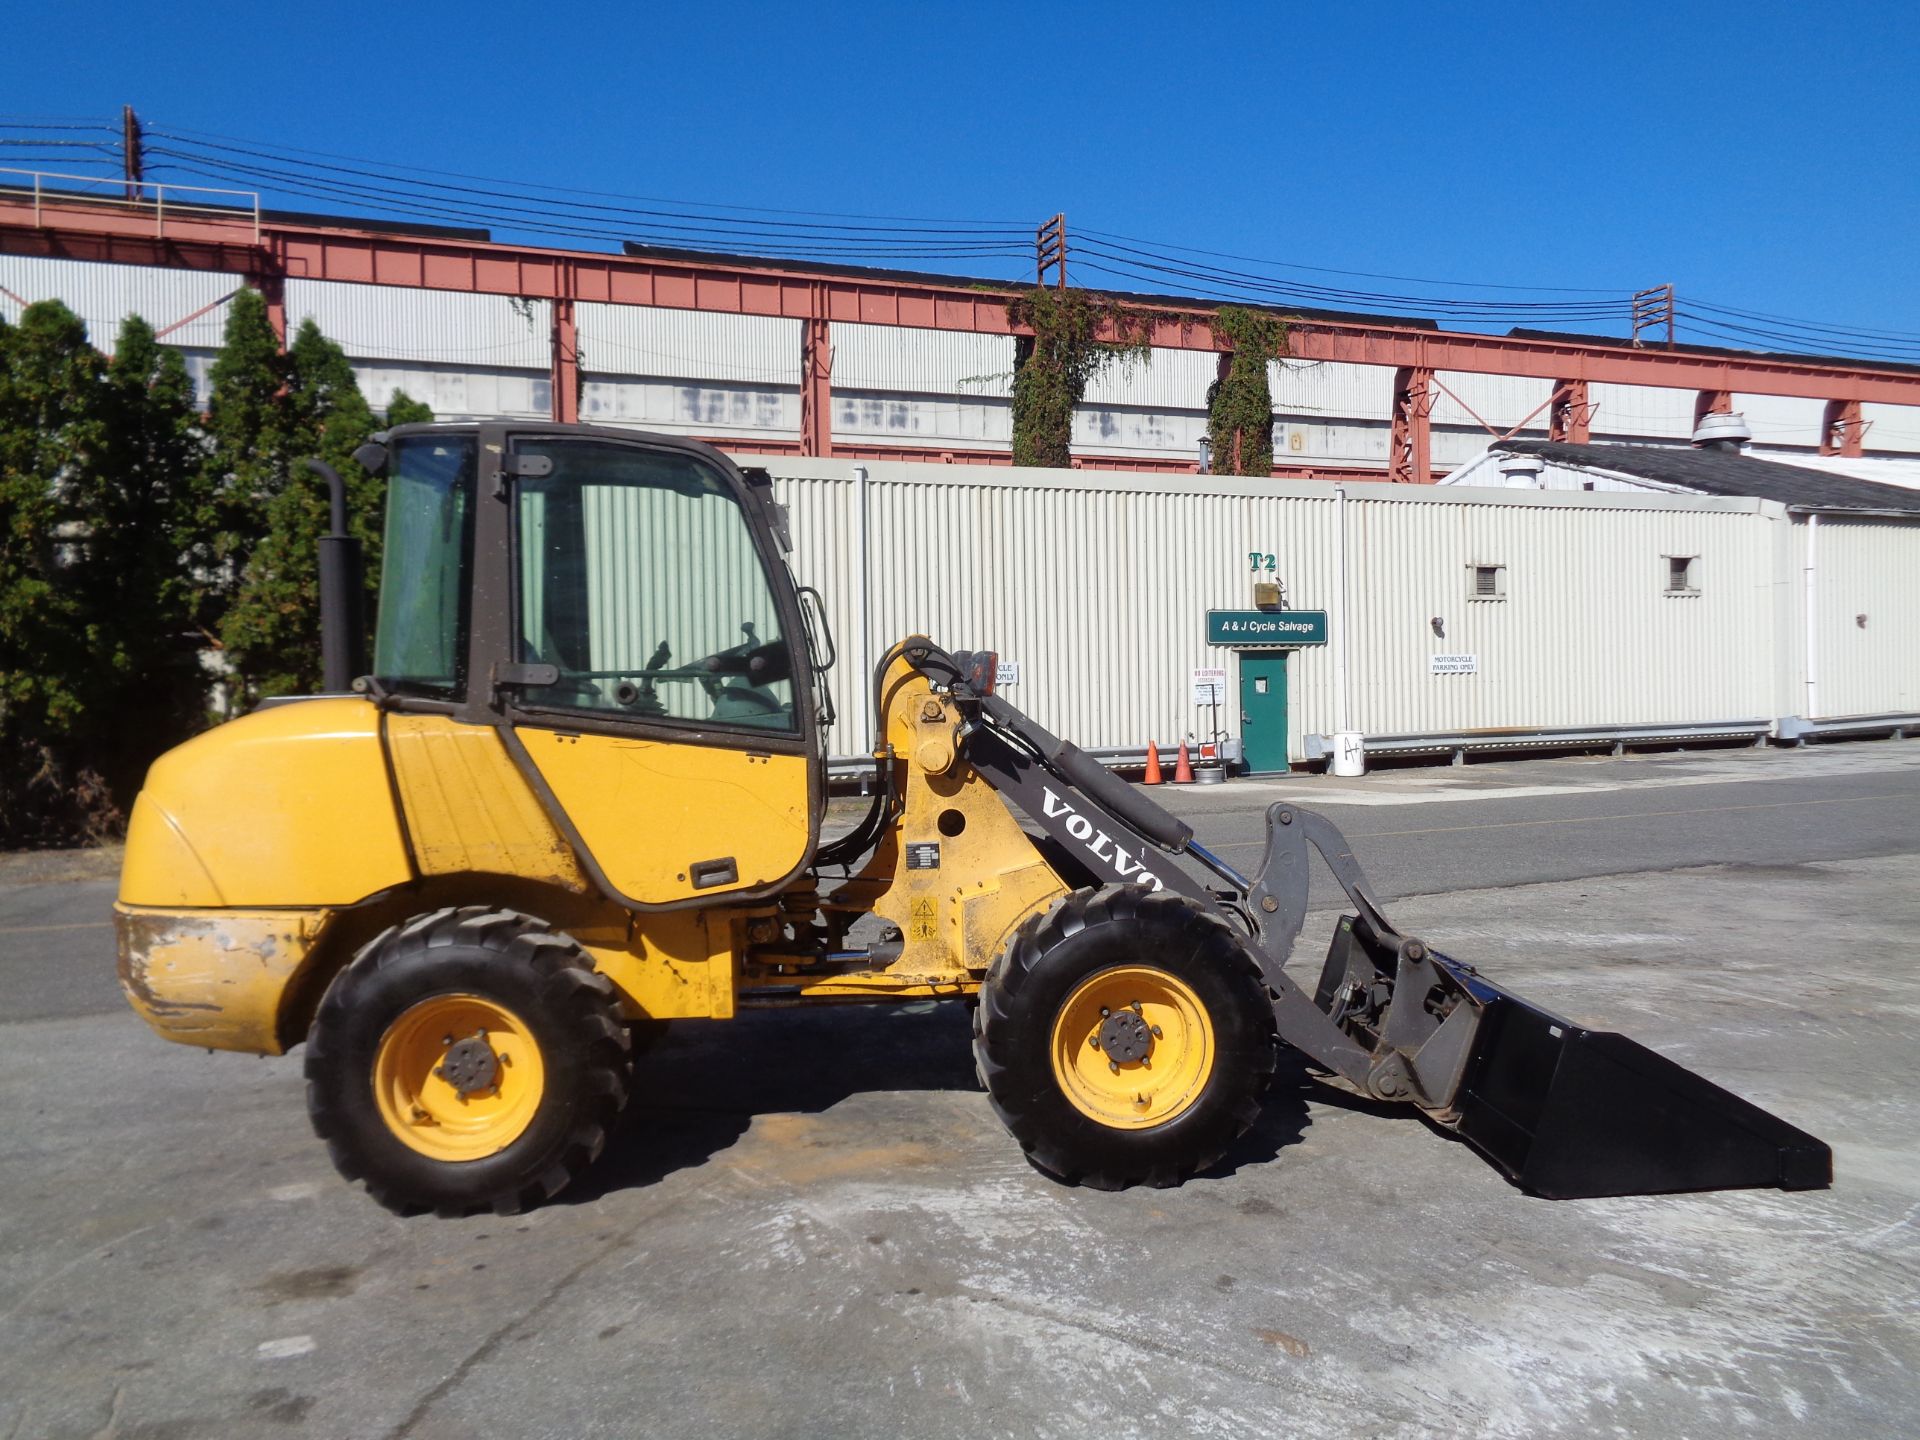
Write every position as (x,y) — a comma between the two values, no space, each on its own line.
(272,630)
(143,581)
(50,434)
(403,409)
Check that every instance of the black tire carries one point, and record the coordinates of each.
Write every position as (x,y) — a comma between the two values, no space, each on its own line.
(1047,962)
(502,957)
(645,1035)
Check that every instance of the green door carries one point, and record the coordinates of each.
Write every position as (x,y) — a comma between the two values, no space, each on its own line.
(1263,709)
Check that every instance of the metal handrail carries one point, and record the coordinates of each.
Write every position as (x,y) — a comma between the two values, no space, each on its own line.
(159,202)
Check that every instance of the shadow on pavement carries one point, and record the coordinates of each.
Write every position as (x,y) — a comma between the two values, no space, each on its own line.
(699,1089)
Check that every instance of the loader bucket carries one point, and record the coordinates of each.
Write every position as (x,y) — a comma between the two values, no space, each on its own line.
(1570,1113)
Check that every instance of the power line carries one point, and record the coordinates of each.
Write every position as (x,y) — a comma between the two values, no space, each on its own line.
(1799,324)
(550,221)
(609,217)
(290,150)
(1353,274)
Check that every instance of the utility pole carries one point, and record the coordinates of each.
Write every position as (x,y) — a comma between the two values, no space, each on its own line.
(131,150)
(1651,309)
(1050,249)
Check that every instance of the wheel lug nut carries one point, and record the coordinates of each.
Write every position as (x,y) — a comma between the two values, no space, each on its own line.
(1156,1031)
(1104,1012)
(1114,1066)
(1136,1008)
(1093,1042)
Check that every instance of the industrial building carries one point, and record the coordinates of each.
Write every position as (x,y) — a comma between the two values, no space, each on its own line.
(736,379)
(1469,619)
(1449,617)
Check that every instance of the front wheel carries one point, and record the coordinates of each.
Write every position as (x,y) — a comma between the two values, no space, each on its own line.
(469,1059)
(1124,1038)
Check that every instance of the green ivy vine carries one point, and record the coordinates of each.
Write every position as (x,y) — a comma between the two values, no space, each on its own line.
(1054,365)
(1240,403)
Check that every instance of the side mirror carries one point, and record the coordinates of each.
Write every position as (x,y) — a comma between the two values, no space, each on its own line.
(372,458)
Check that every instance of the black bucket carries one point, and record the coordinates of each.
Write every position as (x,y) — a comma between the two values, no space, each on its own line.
(1570,1113)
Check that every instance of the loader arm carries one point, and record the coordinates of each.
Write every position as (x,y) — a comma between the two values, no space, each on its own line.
(1565,1111)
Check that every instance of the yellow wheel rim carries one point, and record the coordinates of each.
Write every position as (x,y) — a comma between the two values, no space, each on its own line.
(1132,1047)
(457,1077)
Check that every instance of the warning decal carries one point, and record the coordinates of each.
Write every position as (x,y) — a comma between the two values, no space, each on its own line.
(925,919)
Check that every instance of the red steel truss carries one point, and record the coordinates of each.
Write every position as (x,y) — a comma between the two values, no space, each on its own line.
(268,253)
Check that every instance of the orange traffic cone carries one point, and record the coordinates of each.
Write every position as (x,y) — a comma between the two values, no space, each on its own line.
(1183,767)
(1152,776)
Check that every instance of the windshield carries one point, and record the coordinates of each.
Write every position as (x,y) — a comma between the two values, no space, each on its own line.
(420,643)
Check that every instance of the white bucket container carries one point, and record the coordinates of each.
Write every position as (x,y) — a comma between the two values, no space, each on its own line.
(1349,754)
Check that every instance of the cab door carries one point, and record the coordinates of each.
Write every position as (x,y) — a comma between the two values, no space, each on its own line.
(659,687)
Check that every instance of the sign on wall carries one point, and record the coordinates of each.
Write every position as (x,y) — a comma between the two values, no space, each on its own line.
(1257,629)
(1007,674)
(1456,665)
(1209,685)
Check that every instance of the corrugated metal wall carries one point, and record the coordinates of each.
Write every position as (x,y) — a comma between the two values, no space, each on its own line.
(918,362)
(1892,427)
(1098,584)
(688,344)
(386,322)
(1587,633)
(738,376)
(458,392)
(104,295)
(734,413)
(1782,419)
(1642,410)
(1324,388)
(1476,401)
(1866,617)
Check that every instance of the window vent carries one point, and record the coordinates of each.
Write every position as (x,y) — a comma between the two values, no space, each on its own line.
(1487,582)
(1682,575)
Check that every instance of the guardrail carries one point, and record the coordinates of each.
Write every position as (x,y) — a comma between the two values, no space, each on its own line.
(1618,737)
(1894,726)
(136,195)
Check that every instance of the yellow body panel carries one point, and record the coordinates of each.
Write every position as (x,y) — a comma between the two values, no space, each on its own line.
(469,808)
(288,806)
(678,964)
(985,876)
(650,810)
(213,978)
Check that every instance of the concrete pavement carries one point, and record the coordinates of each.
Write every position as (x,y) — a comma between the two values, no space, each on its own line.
(813,1225)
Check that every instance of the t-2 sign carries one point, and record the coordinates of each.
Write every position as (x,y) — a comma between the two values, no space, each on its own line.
(1259,560)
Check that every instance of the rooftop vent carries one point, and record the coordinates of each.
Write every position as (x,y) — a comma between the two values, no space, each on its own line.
(1723,432)
(1521,472)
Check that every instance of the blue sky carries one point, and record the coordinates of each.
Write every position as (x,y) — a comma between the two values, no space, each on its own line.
(1759,155)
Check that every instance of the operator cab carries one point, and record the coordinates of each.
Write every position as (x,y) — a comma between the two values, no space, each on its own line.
(618,606)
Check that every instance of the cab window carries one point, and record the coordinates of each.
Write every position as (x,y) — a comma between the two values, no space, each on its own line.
(638,580)
(420,643)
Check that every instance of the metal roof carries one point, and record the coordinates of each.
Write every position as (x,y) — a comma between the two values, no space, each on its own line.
(1721,472)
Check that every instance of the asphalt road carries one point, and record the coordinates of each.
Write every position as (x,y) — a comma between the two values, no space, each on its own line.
(1416,832)
(812,1224)
(1429,831)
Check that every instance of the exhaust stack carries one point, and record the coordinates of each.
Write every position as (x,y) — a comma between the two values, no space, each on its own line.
(342,629)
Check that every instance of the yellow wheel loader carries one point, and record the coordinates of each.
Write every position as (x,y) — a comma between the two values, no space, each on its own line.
(578,794)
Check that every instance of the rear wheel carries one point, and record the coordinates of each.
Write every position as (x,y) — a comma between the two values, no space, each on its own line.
(469,1059)
(1125,1038)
